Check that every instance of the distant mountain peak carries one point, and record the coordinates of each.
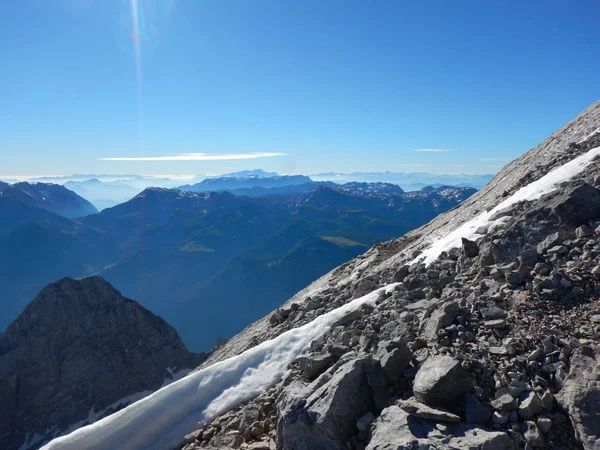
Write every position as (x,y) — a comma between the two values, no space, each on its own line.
(250,173)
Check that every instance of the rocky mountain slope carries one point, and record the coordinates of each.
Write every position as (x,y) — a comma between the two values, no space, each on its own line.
(479,330)
(79,351)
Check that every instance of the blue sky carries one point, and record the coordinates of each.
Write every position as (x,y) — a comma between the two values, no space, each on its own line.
(333,85)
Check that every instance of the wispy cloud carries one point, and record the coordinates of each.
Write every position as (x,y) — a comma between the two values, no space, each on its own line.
(432,150)
(195,157)
(493,159)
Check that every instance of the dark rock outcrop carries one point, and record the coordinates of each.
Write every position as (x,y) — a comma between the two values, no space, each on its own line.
(80,347)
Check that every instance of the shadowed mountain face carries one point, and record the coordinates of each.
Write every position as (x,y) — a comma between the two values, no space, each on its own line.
(79,348)
(191,257)
(23,202)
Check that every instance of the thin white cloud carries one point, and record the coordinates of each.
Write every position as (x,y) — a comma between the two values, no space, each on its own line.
(432,150)
(493,159)
(195,157)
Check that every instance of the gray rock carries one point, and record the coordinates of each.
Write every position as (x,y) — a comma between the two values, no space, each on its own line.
(505,402)
(395,429)
(528,257)
(500,351)
(314,365)
(550,241)
(583,231)
(516,388)
(394,358)
(544,424)
(530,406)
(326,419)
(401,274)
(533,435)
(513,277)
(475,412)
(442,317)
(441,381)
(112,348)
(580,395)
(422,411)
(575,205)
(363,423)
(500,417)
(350,316)
(547,401)
(496,324)
(494,313)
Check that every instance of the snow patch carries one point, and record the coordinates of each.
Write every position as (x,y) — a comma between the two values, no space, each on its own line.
(532,191)
(161,420)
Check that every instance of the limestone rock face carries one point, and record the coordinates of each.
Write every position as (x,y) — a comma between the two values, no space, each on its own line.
(395,429)
(80,347)
(580,396)
(326,419)
(440,381)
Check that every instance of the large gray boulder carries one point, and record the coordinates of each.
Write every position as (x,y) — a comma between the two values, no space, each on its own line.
(325,418)
(442,381)
(395,429)
(442,317)
(580,396)
(80,346)
(394,356)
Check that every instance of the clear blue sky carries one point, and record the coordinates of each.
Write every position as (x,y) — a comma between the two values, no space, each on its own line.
(340,85)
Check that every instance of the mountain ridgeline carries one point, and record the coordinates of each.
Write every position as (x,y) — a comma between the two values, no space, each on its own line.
(191,257)
(79,351)
(22,203)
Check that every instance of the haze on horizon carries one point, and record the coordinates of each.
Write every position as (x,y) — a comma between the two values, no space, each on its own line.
(207,87)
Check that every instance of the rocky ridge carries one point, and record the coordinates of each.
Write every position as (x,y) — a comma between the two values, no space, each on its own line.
(494,344)
(78,352)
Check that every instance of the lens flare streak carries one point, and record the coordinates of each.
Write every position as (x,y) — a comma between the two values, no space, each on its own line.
(138,66)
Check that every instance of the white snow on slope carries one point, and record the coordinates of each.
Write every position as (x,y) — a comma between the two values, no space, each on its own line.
(161,420)
(532,191)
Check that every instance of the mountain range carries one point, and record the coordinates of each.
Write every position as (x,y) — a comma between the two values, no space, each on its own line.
(189,256)
(105,191)
(411,181)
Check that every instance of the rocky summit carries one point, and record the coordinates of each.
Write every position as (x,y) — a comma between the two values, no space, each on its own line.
(77,352)
(487,335)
